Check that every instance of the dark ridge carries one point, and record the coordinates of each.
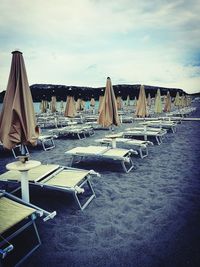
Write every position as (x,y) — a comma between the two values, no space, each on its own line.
(46,91)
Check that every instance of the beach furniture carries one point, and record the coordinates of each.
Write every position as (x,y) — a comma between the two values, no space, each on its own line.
(141,146)
(168,125)
(60,178)
(17,222)
(101,152)
(79,131)
(17,151)
(145,133)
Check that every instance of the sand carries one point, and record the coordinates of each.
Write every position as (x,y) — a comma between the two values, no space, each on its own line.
(148,217)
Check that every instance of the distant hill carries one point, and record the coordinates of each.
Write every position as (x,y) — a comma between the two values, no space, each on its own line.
(45,91)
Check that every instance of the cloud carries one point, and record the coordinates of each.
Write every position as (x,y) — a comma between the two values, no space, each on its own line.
(82,42)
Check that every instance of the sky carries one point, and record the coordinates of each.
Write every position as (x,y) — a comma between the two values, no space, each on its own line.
(81,42)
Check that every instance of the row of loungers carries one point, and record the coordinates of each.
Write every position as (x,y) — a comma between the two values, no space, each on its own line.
(78,131)
(65,179)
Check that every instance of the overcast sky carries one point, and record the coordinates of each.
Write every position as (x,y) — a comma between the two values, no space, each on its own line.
(81,42)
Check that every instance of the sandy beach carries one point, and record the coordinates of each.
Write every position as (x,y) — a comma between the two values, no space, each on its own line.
(149,217)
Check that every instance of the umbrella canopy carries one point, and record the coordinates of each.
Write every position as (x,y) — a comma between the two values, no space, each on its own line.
(80,104)
(141,108)
(100,102)
(92,102)
(149,100)
(158,102)
(167,107)
(43,106)
(61,106)
(70,109)
(119,102)
(177,100)
(108,114)
(53,104)
(183,102)
(135,102)
(17,120)
(128,100)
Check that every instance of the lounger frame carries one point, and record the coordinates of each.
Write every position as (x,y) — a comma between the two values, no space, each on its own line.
(7,236)
(125,161)
(75,191)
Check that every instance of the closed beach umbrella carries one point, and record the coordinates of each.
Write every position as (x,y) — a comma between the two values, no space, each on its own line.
(108,114)
(141,108)
(17,120)
(92,102)
(119,102)
(53,104)
(177,100)
(61,106)
(43,106)
(70,109)
(183,102)
(167,107)
(128,100)
(100,102)
(158,102)
(149,100)
(135,102)
(78,104)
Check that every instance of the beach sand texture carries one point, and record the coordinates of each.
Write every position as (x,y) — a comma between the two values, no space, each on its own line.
(148,217)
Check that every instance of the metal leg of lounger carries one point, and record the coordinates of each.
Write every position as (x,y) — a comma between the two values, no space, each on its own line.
(82,207)
(91,132)
(173,129)
(79,136)
(49,147)
(20,230)
(158,139)
(19,147)
(75,158)
(129,162)
(143,152)
(35,247)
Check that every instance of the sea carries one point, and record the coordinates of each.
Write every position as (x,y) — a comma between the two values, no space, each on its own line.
(58,104)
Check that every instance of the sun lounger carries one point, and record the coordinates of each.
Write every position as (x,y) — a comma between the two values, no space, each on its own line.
(78,131)
(141,146)
(101,152)
(17,218)
(52,176)
(168,125)
(157,134)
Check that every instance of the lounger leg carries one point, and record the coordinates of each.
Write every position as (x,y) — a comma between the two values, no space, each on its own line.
(82,207)
(131,165)
(20,230)
(52,144)
(159,141)
(143,153)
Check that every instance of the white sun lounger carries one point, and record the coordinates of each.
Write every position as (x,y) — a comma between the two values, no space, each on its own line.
(79,131)
(52,176)
(101,152)
(169,125)
(140,145)
(16,218)
(146,133)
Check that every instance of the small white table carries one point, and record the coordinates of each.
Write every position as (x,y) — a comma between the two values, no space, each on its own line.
(23,168)
(113,138)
